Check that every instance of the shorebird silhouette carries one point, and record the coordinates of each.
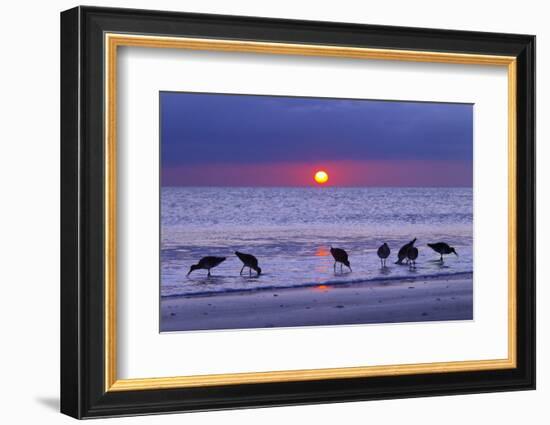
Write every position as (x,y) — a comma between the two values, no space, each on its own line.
(206,263)
(249,261)
(383,253)
(402,254)
(412,255)
(340,256)
(442,249)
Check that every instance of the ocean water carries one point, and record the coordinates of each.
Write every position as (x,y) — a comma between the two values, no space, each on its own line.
(290,231)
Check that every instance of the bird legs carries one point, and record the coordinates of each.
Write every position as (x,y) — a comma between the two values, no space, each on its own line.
(249,271)
(341,267)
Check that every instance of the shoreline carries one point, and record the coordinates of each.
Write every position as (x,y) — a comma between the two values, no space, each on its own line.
(332,283)
(415,299)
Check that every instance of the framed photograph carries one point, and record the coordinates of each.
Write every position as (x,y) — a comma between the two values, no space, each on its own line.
(261,212)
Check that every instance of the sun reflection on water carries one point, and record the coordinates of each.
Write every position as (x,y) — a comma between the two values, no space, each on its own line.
(322,251)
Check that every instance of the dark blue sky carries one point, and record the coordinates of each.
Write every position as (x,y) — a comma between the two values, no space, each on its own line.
(233,131)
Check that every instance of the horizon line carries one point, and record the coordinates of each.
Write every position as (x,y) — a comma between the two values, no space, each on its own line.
(318,187)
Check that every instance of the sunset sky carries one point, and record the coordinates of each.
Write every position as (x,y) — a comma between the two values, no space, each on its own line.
(242,140)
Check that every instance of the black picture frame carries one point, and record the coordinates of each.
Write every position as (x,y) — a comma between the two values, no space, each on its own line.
(83,392)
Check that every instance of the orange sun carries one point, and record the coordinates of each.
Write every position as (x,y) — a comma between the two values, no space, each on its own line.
(321,177)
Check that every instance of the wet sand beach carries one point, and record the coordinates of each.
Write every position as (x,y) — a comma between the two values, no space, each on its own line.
(407,300)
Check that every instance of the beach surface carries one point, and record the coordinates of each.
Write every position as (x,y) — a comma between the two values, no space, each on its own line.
(396,301)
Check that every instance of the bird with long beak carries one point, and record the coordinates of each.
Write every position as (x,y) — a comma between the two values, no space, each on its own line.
(340,256)
(249,261)
(206,263)
(442,249)
(402,254)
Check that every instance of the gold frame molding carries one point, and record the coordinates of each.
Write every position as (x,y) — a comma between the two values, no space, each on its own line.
(113,41)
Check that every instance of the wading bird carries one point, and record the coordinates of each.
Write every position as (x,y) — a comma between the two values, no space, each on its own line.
(442,249)
(340,256)
(249,261)
(412,255)
(206,263)
(402,254)
(383,253)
